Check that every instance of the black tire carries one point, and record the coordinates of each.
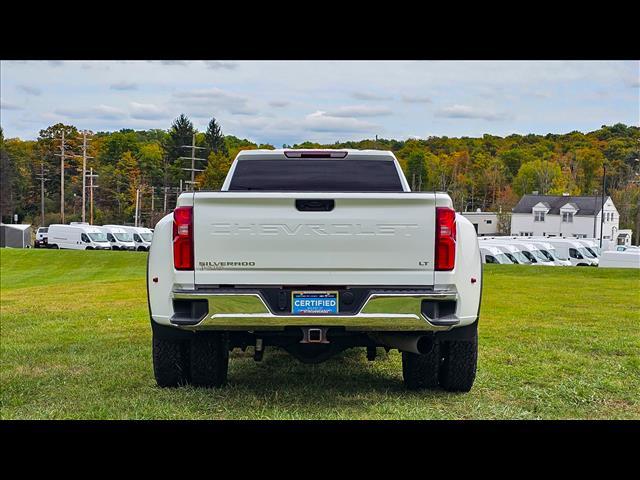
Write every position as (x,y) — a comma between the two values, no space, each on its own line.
(458,368)
(209,359)
(421,370)
(170,362)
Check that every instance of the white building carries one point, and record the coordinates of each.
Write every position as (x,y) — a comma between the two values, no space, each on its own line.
(485,223)
(564,216)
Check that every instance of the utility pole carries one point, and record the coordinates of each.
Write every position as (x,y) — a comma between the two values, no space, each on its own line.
(42,179)
(135,217)
(91,187)
(164,208)
(153,195)
(193,159)
(61,155)
(84,171)
(604,180)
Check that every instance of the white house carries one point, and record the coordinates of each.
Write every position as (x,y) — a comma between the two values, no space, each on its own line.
(485,223)
(564,216)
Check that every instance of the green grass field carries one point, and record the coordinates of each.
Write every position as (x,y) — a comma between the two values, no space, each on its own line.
(76,343)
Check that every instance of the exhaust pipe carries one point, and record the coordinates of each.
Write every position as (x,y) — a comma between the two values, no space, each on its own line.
(420,344)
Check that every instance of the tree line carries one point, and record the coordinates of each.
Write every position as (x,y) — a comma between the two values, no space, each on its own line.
(489,173)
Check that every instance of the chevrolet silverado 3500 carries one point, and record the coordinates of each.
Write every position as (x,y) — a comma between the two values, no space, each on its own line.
(315,252)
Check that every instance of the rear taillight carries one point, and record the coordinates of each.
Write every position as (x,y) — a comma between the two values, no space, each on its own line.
(183,238)
(445,238)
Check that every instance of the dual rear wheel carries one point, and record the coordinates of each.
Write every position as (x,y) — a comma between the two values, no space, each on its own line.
(450,364)
(202,361)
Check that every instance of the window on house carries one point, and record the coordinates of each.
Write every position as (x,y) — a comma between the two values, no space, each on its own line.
(538,216)
(490,259)
(489,221)
(567,217)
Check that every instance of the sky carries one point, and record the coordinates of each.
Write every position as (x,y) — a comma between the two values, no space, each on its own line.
(287,102)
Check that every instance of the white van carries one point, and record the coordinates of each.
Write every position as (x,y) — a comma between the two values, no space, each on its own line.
(491,254)
(532,252)
(591,246)
(77,237)
(512,252)
(141,236)
(573,251)
(629,258)
(119,238)
(549,251)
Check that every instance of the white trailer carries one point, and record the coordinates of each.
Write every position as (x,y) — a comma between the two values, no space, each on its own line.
(629,258)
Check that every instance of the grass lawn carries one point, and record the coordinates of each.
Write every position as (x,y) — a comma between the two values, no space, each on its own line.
(555,342)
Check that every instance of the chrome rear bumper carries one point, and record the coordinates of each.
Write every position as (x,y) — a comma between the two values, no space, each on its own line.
(381,312)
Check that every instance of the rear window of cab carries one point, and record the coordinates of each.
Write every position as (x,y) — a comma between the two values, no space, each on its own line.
(316,175)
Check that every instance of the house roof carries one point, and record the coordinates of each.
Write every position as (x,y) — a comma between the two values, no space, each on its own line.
(587,206)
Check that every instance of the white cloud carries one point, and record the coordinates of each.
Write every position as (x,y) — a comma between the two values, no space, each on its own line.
(359,111)
(147,111)
(9,106)
(104,112)
(278,103)
(124,85)
(415,99)
(466,111)
(217,65)
(215,98)
(181,63)
(320,121)
(369,96)
(29,89)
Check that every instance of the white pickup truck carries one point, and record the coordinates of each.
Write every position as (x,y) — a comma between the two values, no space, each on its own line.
(315,252)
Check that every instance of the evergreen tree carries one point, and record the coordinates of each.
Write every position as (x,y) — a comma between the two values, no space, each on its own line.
(215,139)
(180,134)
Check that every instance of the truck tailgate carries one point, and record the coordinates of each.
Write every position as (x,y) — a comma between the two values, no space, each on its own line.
(260,238)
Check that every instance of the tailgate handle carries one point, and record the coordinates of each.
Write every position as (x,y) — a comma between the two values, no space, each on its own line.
(313,205)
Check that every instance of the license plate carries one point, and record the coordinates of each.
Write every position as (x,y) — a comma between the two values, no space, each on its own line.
(314,303)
